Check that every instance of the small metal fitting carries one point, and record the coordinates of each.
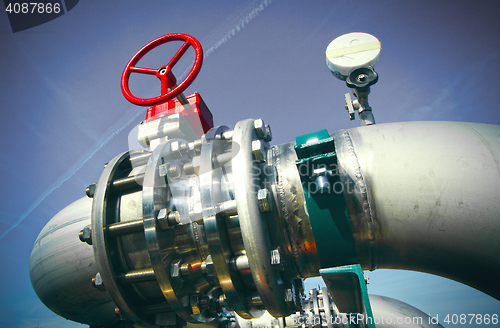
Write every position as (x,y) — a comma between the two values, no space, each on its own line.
(90,190)
(185,301)
(175,149)
(172,171)
(194,303)
(222,300)
(97,282)
(85,235)
(260,128)
(276,257)
(228,135)
(189,169)
(289,296)
(240,263)
(167,219)
(322,183)
(204,302)
(228,208)
(269,135)
(254,299)
(162,220)
(209,266)
(173,218)
(175,269)
(258,150)
(186,269)
(264,200)
(179,269)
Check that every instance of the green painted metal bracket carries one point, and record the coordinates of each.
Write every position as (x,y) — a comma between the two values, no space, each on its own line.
(323,191)
(348,288)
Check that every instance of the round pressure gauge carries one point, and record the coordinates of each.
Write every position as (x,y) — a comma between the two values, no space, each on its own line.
(351,51)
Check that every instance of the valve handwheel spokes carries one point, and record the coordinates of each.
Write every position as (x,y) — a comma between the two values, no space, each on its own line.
(169,87)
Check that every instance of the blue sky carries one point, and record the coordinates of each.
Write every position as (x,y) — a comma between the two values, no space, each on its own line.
(63,114)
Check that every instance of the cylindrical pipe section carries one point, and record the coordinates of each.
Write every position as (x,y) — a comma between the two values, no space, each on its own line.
(424,196)
(62,268)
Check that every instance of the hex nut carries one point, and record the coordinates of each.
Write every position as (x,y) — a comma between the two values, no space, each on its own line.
(275,257)
(97,282)
(175,269)
(210,267)
(85,235)
(289,296)
(162,170)
(175,149)
(258,151)
(90,190)
(162,219)
(260,128)
(264,200)
(269,136)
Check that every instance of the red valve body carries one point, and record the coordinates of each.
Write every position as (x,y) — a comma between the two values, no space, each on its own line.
(196,114)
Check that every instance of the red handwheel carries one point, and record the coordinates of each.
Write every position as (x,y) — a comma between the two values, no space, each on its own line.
(169,87)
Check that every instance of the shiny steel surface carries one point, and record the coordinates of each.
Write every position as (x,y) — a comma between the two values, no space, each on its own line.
(211,195)
(181,236)
(62,268)
(155,198)
(392,313)
(294,220)
(103,214)
(424,196)
(252,223)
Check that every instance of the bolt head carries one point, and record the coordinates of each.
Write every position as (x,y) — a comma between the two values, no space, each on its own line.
(260,128)
(210,267)
(269,135)
(175,149)
(162,170)
(175,269)
(162,219)
(97,282)
(289,296)
(90,191)
(275,257)
(264,200)
(258,151)
(85,235)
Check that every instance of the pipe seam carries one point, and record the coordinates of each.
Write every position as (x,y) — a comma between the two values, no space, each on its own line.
(361,193)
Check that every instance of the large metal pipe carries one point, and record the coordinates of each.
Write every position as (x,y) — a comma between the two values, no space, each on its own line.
(420,196)
(62,268)
(425,196)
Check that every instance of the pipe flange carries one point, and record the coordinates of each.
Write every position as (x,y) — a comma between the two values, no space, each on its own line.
(212,193)
(253,226)
(156,197)
(104,199)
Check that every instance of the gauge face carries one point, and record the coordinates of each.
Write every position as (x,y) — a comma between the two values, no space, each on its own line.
(351,51)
